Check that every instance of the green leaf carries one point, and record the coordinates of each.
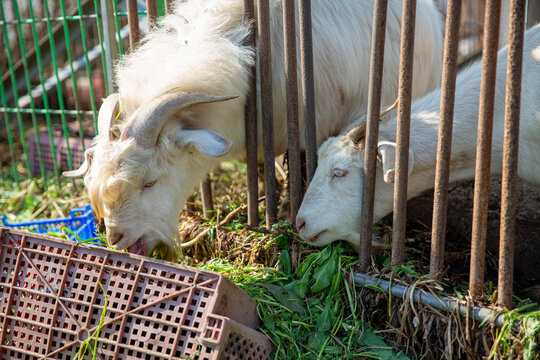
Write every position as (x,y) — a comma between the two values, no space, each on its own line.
(324,323)
(323,275)
(377,346)
(284,264)
(285,297)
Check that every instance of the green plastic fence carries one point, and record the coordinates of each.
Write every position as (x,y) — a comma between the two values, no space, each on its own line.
(54,74)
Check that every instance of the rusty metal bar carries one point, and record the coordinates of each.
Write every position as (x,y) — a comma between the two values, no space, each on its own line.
(151,11)
(483,150)
(169,6)
(308,86)
(372,130)
(510,151)
(206,197)
(293,131)
(403,130)
(265,69)
(442,172)
(190,208)
(133,22)
(251,127)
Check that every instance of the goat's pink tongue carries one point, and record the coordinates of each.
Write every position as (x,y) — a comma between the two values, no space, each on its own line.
(136,248)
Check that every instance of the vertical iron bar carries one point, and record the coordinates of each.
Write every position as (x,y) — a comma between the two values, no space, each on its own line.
(151,11)
(206,197)
(115,18)
(294,162)
(372,130)
(510,151)
(22,47)
(169,6)
(308,87)
(265,69)
(483,150)
(106,75)
(189,208)
(251,126)
(442,170)
(133,22)
(403,130)
(111,48)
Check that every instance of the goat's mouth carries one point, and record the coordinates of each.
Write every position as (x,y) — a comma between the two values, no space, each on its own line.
(313,240)
(138,248)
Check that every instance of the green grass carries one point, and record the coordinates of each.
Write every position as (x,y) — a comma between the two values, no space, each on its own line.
(311,312)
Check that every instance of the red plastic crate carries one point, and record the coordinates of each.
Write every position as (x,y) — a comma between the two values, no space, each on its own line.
(51,301)
(60,145)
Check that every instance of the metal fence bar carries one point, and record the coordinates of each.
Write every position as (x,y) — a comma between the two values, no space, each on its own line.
(114,15)
(265,69)
(442,172)
(251,127)
(372,129)
(110,47)
(483,150)
(7,122)
(206,197)
(510,151)
(101,37)
(28,88)
(152,13)
(14,88)
(403,130)
(169,6)
(133,22)
(293,131)
(73,80)
(308,86)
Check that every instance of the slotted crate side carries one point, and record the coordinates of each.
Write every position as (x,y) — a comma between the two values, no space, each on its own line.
(75,147)
(52,295)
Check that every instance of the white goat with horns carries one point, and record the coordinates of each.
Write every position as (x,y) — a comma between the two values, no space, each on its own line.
(332,205)
(183,92)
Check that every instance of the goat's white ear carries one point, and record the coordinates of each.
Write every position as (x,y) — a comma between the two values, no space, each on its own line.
(206,141)
(387,155)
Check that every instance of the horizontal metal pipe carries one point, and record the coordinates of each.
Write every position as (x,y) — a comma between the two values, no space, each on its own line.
(438,302)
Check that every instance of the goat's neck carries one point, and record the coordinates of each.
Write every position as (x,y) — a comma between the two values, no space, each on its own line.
(424,141)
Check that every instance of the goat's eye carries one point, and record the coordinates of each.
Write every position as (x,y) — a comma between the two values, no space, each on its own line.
(149,184)
(338,173)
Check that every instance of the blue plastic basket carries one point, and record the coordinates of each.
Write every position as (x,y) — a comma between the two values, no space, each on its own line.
(80,222)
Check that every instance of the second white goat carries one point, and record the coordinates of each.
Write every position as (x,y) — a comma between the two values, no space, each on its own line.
(331,208)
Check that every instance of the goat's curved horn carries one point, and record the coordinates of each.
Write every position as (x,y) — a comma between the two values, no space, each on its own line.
(357,133)
(84,167)
(148,120)
(107,113)
(390,108)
